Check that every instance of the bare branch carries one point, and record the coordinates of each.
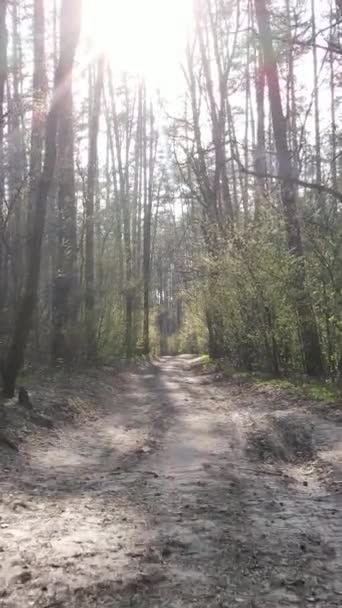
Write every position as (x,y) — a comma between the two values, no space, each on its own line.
(294,180)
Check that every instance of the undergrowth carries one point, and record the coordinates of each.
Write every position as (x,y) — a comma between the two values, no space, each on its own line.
(324,390)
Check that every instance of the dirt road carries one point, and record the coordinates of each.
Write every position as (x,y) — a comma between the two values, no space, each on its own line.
(176,492)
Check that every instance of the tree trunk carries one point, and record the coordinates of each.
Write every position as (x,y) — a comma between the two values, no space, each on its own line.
(308,327)
(40,86)
(16,158)
(64,284)
(125,209)
(260,152)
(65,280)
(90,207)
(147,231)
(3,78)
(316,100)
(136,214)
(333,112)
(70,24)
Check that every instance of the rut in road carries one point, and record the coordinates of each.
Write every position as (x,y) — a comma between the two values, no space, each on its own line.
(164,500)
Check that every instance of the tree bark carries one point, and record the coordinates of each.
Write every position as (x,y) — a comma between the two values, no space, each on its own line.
(3,78)
(70,24)
(260,152)
(64,304)
(16,158)
(90,209)
(147,229)
(308,327)
(40,86)
(316,97)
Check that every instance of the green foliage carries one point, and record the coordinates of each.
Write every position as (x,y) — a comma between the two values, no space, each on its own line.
(247,287)
(300,387)
(249,291)
(327,391)
(111,332)
(192,337)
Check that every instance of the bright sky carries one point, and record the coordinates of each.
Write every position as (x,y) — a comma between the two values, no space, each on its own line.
(148,37)
(145,36)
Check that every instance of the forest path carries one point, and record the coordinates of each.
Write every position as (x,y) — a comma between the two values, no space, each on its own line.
(176,497)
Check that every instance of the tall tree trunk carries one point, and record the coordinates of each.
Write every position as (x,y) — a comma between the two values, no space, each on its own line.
(39,101)
(90,208)
(64,305)
(210,224)
(40,86)
(260,152)
(308,327)
(333,111)
(16,157)
(127,227)
(318,163)
(217,118)
(70,27)
(291,109)
(245,193)
(124,197)
(147,226)
(3,78)
(136,213)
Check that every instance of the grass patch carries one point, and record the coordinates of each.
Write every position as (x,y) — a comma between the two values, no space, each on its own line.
(25,376)
(325,391)
(319,390)
(206,361)
(301,387)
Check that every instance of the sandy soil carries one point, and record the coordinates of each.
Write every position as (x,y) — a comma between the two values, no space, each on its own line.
(173,490)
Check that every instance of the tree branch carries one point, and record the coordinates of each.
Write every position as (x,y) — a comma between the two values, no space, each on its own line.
(295,180)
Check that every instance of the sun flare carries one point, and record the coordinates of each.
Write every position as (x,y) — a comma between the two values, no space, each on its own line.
(139,36)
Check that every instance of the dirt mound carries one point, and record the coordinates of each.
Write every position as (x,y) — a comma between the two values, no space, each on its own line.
(56,400)
(283,438)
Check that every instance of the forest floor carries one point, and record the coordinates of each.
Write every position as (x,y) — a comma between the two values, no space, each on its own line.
(161,486)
